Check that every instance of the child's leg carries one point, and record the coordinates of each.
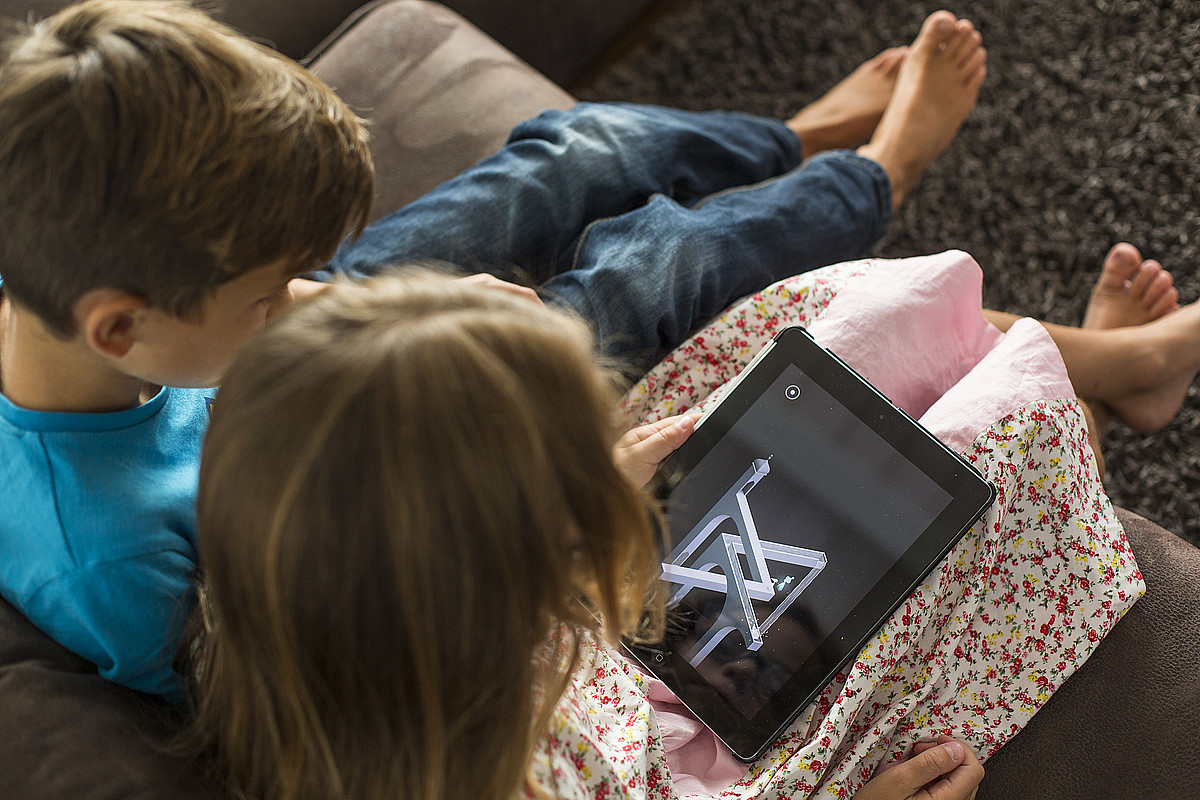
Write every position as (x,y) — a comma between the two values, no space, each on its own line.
(648,278)
(1098,421)
(848,114)
(519,210)
(1137,373)
(1142,372)
(651,276)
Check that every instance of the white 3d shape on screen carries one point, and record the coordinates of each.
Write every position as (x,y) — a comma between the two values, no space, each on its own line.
(689,566)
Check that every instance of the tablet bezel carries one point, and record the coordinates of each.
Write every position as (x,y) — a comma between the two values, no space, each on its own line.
(970,494)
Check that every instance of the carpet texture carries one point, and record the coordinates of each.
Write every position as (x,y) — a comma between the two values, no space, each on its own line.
(1087,133)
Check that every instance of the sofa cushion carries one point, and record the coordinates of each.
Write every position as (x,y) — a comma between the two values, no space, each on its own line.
(68,733)
(439,94)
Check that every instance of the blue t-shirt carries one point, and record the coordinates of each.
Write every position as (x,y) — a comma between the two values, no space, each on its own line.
(98,530)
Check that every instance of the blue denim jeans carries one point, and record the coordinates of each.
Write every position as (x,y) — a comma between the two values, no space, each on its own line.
(648,221)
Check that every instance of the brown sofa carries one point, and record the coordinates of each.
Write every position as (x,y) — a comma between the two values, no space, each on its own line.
(441,95)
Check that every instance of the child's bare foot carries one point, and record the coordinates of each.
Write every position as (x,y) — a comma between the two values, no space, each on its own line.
(937,87)
(1129,291)
(1158,362)
(847,114)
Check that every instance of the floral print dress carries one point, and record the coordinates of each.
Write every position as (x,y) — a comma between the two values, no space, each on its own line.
(996,628)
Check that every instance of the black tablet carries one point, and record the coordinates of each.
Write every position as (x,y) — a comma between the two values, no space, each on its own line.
(802,511)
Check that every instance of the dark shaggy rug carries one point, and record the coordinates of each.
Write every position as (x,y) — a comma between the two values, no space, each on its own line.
(1087,132)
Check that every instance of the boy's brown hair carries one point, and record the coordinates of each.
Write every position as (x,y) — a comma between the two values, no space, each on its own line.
(148,148)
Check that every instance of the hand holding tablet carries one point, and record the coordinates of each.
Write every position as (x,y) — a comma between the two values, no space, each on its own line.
(802,510)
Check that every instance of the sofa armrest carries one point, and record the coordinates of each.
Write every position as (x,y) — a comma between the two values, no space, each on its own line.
(1124,724)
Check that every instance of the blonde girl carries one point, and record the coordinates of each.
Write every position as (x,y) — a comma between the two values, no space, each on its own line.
(416,514)
(410,517)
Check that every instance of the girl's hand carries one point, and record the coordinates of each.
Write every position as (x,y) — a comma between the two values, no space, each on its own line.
(639,452)
(297,290)
(943,770)
(491,282)
(303,288)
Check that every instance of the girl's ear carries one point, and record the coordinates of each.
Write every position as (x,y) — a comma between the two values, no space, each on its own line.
(110,320)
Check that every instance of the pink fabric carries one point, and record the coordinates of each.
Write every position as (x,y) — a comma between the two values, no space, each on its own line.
(915,330)
(700,762)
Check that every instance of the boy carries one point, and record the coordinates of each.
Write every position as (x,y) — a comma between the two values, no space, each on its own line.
(161,180)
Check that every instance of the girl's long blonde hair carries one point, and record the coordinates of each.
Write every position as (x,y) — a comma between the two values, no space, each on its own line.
(407,491)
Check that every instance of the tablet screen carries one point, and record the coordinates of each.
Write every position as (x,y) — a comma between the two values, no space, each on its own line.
(806,508)
(803,509)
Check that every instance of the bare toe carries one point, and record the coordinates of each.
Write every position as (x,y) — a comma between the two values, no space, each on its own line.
(1159,294)
(1120,265)
(975,68)
(1168,302)
(936,32)
(1129,291)
(892,58)
(973,49)
(1143,279)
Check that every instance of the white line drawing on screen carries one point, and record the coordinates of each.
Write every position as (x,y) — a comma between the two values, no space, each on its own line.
(688,569)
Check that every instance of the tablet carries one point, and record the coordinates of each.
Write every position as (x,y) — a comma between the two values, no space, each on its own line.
(802,511)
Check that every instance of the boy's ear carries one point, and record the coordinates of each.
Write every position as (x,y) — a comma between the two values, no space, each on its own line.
(110,320)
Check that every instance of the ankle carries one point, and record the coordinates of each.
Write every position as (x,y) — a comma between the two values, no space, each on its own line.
(899,178)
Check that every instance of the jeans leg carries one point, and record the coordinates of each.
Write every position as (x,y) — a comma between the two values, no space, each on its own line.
(520,211)
(649,278)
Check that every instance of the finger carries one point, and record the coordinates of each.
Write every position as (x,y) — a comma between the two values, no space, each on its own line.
(922,746)
(652,428)
(492,282)
(917,748)
(661,439)
(962,782)
(296,290)
(640,451)
(303,288)
(929,765)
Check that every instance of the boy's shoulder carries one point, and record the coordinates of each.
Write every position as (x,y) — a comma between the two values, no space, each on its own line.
(86,489)
(101,528)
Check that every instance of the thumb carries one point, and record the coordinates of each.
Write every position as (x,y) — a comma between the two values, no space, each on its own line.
(926,767)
